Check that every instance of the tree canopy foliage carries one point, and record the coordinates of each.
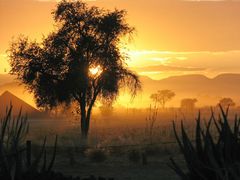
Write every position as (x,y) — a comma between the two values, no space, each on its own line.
(226,102)
(188,104)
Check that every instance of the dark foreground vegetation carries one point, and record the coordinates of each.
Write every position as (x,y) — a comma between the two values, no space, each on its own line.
(213,153)
(16,161)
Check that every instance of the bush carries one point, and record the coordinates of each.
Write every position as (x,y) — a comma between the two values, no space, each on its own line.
(134,156)
(152,150)
(211,156)
(96,155)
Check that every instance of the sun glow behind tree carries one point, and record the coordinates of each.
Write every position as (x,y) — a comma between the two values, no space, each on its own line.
(95,71)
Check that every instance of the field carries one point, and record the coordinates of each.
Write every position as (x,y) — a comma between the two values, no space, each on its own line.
(133,147)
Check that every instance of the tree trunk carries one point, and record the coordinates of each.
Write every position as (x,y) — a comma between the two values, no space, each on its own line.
(83,127)
(86,116)
(84,131)
(85,121)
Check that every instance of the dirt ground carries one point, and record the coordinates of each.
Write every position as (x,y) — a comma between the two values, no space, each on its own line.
(115,166)
(119,168)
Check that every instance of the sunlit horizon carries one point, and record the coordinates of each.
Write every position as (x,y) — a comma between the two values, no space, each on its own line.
(165,44)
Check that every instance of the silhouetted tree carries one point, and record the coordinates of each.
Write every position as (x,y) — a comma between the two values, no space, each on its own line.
(188,104)
(225,102)
(162,97)
(79,62)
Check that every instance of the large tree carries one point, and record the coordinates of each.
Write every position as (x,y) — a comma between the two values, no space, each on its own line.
(79,62)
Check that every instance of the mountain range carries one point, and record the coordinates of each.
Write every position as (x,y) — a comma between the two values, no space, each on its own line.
(208,91)
(224,84)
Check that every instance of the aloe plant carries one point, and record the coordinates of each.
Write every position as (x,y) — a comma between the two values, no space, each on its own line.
(12,133)
(212,155)
(15,158)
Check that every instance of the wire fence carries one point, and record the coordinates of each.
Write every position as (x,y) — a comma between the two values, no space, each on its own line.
(121,146)
(126,146)
(135,145)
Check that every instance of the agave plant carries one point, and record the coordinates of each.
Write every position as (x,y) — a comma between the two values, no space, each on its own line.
(212,155)
(12,133)
(15,158)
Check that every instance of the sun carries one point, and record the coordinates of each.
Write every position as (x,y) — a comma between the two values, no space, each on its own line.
(95,70)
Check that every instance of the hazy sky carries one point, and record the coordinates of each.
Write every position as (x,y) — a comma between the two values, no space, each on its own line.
(173,37)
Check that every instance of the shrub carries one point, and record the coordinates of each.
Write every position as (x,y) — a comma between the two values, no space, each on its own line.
(96,155)
(134,156)
(211,156)
(152,150)
(71,156)
(150,123)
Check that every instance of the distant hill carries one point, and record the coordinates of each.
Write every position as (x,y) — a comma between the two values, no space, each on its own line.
(19,90)
(8,98)
(208,91)
(225,83)
(197,86)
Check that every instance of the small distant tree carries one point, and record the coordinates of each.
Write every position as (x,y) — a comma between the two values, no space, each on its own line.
(188,104)
(162,97)
(79,62)
(225,102)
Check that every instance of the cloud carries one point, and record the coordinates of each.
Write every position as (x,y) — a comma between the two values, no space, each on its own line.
(152,52)
(158,64)
(171,58)
(159,68)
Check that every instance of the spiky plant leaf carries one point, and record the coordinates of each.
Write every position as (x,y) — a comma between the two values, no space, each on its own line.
(215,155)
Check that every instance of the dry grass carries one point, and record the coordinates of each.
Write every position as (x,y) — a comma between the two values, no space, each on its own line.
(119,135)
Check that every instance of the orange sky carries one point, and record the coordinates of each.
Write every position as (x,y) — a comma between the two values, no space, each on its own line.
(174,37)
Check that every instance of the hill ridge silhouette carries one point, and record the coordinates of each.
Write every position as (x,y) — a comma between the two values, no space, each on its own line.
(9,79)
(7,98)
(205,89)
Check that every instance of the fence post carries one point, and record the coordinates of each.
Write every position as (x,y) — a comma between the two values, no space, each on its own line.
(29,153)
(144,158)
